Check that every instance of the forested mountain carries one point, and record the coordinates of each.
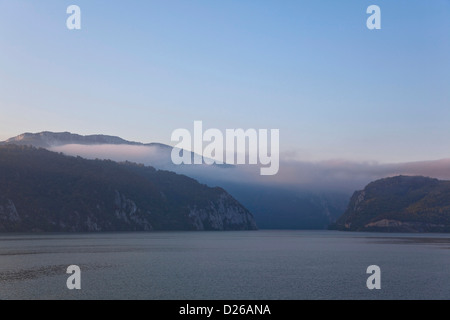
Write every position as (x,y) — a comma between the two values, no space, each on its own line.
(46,191)
(402,203)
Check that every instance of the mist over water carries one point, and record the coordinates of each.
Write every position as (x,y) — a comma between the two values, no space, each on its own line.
(225,265)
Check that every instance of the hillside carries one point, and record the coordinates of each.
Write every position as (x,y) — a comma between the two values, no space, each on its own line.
(46,191)
(399,204)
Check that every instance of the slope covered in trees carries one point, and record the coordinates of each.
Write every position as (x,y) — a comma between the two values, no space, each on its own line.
(402,203)
(46,191)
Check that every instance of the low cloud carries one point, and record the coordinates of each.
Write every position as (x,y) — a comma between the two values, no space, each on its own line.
(335,175)
(349,175)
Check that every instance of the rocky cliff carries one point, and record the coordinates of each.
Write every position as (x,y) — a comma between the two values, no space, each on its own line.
(45,191)
(399,204)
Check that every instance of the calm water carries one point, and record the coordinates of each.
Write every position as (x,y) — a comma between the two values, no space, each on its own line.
(225,265)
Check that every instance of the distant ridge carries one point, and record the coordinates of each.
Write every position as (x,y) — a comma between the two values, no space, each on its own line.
(47,139)
(160,158)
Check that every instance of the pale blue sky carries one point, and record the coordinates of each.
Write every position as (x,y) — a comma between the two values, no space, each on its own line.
(140,69)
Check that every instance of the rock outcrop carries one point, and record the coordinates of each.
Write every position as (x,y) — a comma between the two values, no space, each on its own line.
(223,214)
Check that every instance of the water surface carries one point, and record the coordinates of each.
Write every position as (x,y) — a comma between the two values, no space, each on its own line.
(225,265)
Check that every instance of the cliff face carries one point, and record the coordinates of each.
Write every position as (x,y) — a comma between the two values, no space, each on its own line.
(9,218)
(46,191)
(223,214)
(399,204)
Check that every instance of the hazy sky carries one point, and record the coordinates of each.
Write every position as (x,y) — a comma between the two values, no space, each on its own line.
(141,69)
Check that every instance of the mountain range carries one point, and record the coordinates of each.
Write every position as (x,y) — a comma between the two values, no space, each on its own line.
(57,188)
(275,206)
